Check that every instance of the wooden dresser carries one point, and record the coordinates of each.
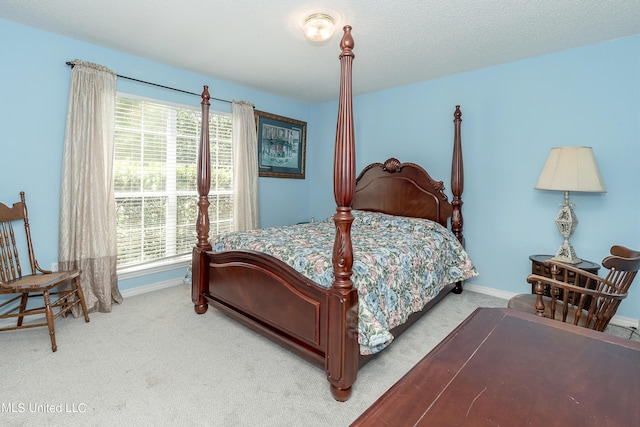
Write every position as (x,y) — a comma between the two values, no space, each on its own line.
(506,368)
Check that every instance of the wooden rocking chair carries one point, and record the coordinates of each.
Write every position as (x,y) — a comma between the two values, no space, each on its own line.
(60,290)
(593,303)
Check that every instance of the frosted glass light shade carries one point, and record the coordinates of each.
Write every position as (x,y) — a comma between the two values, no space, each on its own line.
(318,27)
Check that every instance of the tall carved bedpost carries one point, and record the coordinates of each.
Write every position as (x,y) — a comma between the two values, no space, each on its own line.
(457,183)
(198,277)
(342,348)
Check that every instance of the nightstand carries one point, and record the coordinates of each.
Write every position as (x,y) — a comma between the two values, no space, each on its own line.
(538,267)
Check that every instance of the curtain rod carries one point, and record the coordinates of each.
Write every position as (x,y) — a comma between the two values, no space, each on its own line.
(71,64)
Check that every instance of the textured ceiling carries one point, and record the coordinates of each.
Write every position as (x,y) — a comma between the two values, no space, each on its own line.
(259,44)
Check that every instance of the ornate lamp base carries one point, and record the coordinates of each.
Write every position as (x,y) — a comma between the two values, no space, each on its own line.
(567,223)
(567,254)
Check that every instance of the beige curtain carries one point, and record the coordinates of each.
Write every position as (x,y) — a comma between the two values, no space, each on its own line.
(246,212)
(87,237)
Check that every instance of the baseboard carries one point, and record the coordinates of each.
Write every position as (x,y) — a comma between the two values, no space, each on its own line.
(139,290)
(625,322)
(489,291)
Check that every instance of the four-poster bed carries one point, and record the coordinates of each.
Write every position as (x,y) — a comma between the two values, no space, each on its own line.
(321,322)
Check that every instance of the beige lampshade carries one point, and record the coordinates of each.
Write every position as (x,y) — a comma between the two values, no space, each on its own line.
(571,169)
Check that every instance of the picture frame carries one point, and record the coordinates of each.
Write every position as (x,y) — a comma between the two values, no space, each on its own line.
(282,146)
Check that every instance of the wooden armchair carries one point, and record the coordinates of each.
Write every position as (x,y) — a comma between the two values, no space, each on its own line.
(63,286)
(593,303)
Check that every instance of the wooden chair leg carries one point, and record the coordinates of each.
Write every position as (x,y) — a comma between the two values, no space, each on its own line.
(81,296)
(23,307)
(49,313)
(539,290)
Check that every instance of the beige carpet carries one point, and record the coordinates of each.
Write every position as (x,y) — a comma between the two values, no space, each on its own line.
(154,362)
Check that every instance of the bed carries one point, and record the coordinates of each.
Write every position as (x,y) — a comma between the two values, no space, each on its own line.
(321,317)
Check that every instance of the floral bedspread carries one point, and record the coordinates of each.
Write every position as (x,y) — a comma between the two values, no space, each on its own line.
(400,264)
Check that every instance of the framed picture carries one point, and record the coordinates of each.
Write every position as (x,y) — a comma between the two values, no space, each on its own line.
(282,143)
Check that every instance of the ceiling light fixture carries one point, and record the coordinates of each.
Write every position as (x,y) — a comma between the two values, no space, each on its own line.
(318,27)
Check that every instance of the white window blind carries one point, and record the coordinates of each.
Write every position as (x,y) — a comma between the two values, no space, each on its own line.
(155,178)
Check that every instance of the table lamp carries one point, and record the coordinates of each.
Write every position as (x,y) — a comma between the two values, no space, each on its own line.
(569,169)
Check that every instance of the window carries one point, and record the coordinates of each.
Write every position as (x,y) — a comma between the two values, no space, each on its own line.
(156,147)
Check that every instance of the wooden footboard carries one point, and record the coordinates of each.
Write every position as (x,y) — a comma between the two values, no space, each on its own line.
(270,297)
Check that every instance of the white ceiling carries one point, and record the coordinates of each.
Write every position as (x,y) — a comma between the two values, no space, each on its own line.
(259,44)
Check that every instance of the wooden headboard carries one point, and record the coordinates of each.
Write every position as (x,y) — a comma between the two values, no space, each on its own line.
(403,189)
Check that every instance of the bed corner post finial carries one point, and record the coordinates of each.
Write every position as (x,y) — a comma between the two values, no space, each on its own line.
(457,176)
(347,43)
(203,182)
(342,347)
(205,95)
(457,183)
(204,175)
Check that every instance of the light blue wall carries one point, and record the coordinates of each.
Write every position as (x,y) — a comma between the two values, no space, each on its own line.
(34,85)
(512,116)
